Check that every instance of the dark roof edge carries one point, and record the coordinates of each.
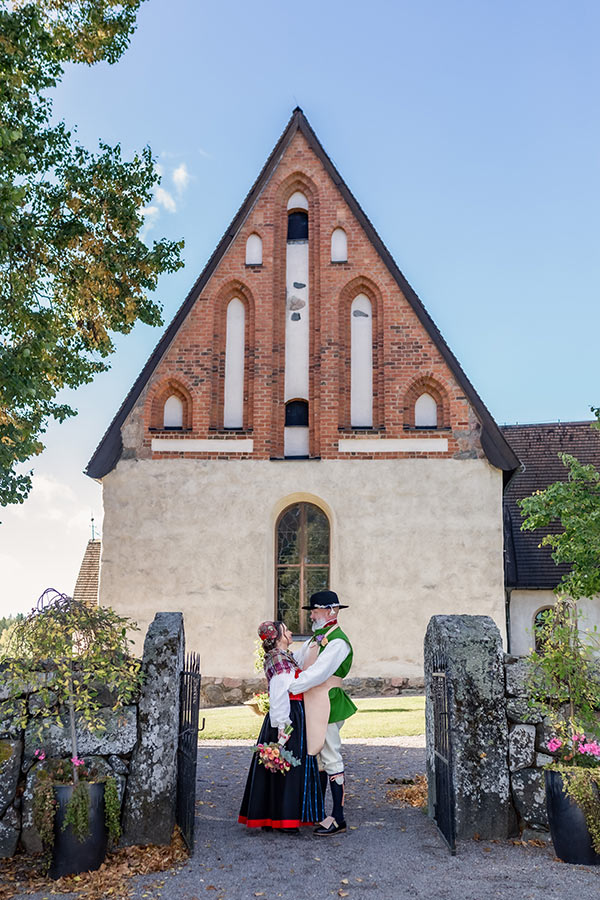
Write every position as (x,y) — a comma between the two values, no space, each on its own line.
(493,442)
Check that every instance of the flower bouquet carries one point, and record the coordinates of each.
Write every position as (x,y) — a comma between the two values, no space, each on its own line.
(275,757)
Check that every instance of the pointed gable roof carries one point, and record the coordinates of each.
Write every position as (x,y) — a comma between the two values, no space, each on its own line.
(494,445)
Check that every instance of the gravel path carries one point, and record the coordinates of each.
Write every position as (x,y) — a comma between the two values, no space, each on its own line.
(388,853)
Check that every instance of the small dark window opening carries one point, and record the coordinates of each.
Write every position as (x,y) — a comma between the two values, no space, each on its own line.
(298,226)
(296,414)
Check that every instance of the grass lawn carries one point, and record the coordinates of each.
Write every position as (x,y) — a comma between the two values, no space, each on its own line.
(379,717)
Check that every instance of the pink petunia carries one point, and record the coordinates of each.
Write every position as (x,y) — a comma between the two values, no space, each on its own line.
(554,744)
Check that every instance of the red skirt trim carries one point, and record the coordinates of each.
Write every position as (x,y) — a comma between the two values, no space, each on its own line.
(273,823)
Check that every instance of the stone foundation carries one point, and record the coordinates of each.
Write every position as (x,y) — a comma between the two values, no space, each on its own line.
(233,691)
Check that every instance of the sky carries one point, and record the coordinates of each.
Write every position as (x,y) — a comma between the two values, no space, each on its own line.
(468,131)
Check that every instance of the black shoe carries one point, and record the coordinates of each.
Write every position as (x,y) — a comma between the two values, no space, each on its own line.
(333,828)
(266,828)
(289,830)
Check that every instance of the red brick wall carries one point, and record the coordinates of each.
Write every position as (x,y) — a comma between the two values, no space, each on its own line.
(406,361)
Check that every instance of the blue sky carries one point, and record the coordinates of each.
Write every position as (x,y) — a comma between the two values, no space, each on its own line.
(468,131)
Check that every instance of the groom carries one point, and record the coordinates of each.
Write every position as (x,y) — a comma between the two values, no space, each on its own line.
(326,658)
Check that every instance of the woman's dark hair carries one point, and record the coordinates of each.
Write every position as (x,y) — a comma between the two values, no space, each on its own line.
(270,643)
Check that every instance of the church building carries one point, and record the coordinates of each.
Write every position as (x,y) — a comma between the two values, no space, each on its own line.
(302,424)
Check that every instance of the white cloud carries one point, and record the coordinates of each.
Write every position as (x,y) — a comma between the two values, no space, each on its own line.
(181,177)
(165,199)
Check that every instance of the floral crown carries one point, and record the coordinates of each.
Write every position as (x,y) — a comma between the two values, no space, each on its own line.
(267,631)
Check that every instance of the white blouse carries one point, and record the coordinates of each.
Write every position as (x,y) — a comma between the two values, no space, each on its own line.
(279,699)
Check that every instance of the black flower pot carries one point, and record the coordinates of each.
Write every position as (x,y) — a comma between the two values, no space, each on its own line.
(70,855)
(570,835)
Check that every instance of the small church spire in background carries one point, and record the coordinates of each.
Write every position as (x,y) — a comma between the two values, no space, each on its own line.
(93,527)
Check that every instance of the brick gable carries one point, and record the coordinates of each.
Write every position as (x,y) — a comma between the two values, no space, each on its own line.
(409,355)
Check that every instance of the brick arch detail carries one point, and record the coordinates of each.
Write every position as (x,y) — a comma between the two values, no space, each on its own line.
(159,395)
(233,289)
(427,384)
(360,285)
(296,181)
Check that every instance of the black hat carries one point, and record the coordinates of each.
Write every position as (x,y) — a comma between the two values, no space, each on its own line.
(324,599)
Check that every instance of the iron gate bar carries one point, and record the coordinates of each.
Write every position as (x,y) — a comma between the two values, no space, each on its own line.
(187,748)
(444,814)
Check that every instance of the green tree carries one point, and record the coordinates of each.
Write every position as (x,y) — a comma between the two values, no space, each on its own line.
(73,269)
(575,505)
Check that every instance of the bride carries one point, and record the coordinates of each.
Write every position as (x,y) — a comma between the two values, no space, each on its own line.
(271,799)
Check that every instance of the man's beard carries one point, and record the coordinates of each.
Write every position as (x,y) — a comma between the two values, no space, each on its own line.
(317,625)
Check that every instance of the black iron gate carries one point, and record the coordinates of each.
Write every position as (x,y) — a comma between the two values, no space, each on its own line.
(187,749)
(444,786)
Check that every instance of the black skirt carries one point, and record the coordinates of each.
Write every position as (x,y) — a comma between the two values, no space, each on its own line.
(283,801)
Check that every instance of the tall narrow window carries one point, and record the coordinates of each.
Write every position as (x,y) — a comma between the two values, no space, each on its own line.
(302,564)
(233,413)
(425,412)
(361,363)
(173,412)
(254,250)
(339,246)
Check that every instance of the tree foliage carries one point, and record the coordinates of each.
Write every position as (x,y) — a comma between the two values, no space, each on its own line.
(73,268)
(575,505)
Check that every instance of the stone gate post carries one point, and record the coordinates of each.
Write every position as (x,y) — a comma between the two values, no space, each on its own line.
(149,814)
(472,648)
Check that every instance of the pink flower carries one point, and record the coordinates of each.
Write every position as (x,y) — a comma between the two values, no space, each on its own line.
(40,754)
(554,744)
(76,761)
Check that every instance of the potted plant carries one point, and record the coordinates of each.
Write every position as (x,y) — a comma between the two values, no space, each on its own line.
(82,649)
(564,685)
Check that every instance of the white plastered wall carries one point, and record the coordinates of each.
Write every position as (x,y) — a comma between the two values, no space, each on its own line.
(409,539)
(525,604)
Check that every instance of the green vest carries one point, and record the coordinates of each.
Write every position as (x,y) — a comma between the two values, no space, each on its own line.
(340,705)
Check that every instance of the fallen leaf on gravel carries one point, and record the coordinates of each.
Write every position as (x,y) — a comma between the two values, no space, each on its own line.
(344,881)
(111,879)
(414,794)
(343,893)
(259,893)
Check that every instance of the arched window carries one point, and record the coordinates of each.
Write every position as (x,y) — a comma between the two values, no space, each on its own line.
(339,246)
(173,412)
(425,412)
(361,362)
(302,563)
(297,217)
(295,434)
(539,621)
(254,250)
(233,412)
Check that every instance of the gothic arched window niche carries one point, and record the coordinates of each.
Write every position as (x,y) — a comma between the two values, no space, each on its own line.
(426,412)
(361,362)
(426,405)
(339,246)
(302,562)
(233,406)
(170,407)
(254,250)
(173,412)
